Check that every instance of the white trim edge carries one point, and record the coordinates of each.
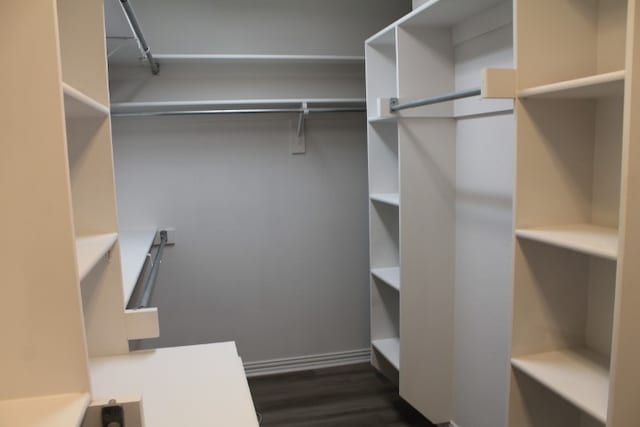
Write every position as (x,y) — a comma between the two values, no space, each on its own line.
(304,363)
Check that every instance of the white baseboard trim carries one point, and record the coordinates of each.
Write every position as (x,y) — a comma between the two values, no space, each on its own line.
(304,363)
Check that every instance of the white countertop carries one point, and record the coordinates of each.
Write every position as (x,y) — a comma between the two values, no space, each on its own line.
(201,385)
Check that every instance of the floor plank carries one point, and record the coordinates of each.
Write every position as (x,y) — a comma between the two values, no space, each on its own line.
(347,396)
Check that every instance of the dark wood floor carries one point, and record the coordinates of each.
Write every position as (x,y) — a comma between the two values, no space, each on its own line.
(354,396)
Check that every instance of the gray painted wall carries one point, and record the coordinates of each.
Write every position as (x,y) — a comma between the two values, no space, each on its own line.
(271,248)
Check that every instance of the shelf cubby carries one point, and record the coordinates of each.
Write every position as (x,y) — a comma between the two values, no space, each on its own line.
(388,275)
(569,172)
(596,45)
(390,349)
(577,375)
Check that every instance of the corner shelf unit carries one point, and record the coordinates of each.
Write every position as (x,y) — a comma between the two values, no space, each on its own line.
(575,297)
(60,201)
(440,47)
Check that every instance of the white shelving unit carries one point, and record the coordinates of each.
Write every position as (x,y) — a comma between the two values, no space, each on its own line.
(574,285)
(412,185)
(69,312)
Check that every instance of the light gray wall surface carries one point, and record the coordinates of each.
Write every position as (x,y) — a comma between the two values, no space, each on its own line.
(271,248)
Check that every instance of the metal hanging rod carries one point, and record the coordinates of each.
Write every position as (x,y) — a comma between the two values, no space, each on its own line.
(150,283)
(395,106)
(131,16)
(240,111)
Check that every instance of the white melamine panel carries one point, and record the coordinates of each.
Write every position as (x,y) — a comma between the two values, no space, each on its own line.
(624,410)
(427,234)
(58,410)
(90,249)
(389,275)
(193,385)
(142,323)
(388,198)
(390,349)
(584,238)
(135,245)
(580,376)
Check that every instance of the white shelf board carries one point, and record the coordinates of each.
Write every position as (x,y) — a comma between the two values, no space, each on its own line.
(258,58)
(61,410)
(200,385)
(388,198)
(192,104)
(586,238)
(134,247)
(389,275)
(389,119)
(78,105)
(579,376)
(390,349)
(90,249)
(597,86)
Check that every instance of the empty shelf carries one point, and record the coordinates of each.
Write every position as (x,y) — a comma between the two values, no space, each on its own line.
(134,247)
(390,349)
(78,105)
(388,198)
(61,410)
(90,249)
(579,376)
(390,276)
(597,86)
(585,238)
(287,59)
